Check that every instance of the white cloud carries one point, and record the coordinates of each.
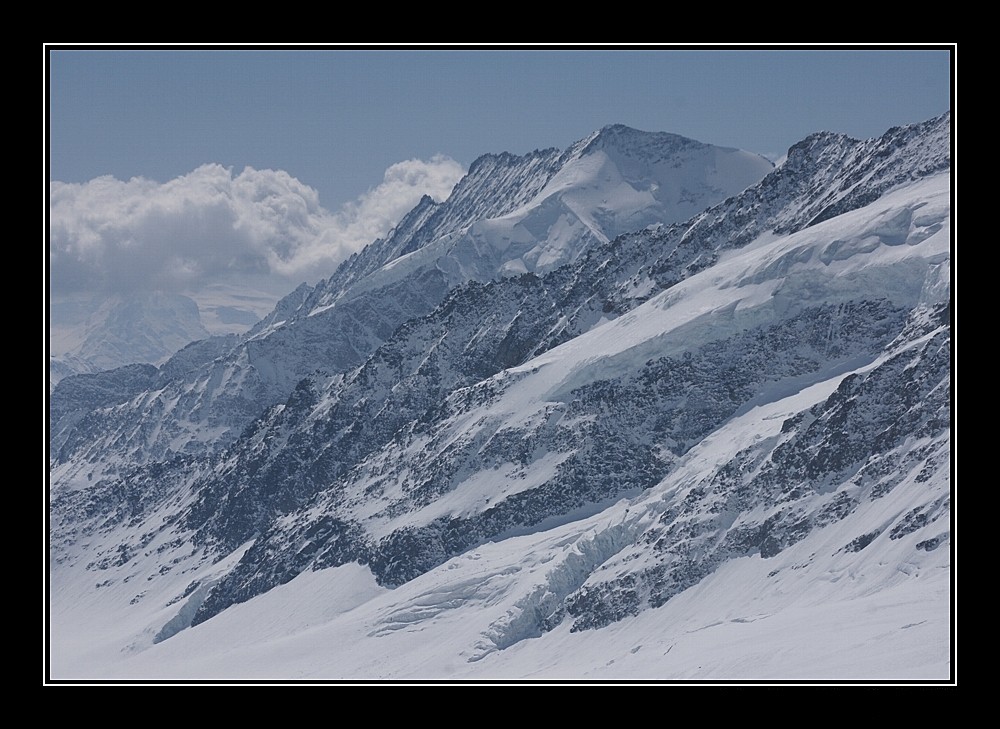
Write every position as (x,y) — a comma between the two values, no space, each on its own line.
(107,235)
(374,213)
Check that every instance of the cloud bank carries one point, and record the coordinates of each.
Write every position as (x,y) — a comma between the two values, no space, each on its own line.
(110,236)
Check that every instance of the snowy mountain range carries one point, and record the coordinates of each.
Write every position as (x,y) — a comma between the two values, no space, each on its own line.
(91,335)
(94,336)
(642,408)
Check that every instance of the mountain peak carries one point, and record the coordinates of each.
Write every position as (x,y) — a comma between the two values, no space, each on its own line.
(653,146)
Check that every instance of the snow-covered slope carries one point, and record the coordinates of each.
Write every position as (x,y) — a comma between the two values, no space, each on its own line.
(712,449)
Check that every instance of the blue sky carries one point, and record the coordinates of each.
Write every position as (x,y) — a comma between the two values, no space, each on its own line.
(333,121)
(336,119)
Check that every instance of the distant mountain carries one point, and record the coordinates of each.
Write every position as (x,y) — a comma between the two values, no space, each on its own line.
(643,408)
(94,335)
(146,327)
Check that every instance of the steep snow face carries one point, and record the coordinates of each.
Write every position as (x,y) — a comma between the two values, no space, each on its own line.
(495,185)
(619,180)
(512,215)
(657,177)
